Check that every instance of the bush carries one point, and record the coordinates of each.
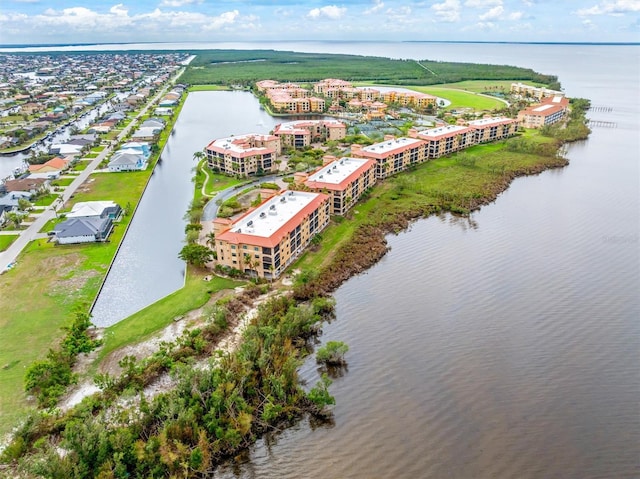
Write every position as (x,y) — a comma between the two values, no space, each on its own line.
(332,353)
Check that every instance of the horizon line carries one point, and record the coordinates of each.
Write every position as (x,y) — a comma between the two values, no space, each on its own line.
(506,42)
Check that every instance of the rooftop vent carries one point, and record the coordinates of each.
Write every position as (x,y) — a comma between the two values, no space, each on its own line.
(263,215)
(272,208)
(283,200)
(250,223)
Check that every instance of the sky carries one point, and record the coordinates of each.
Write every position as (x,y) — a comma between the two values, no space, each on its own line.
(99,21)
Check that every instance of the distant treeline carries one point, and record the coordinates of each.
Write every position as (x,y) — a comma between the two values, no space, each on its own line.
(248,66)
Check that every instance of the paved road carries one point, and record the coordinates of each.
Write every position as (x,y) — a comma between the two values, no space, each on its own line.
(9,256)
(210,211)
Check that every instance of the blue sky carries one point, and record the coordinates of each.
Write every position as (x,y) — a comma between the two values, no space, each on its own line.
(96,21)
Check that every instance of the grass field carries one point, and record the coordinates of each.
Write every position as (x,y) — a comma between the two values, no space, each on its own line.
(142,324)
(208,88)
(38,297)
(62,182)
(6,241)
(45,200)
(461,99)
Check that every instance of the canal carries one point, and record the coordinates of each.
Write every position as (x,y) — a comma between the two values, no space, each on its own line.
(147,267)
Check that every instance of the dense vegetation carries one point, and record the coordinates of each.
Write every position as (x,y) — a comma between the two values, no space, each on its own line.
(213,412)
(245,67)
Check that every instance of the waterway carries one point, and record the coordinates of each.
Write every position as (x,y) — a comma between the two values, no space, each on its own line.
(10,162)
(147,267)
(506,345)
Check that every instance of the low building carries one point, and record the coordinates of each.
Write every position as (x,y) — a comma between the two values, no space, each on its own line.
(393,154)
(264,241)
(29,184)
(345,180)
(301,133)
(54,165)
(83,230)
(494,128)
(125,161)
(244,155)
(95,209)
(550,111)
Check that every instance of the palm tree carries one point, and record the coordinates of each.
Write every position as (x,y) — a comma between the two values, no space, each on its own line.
(198,155)
(210,239)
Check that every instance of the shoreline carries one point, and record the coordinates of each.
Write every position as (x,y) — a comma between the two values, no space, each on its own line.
(369,245)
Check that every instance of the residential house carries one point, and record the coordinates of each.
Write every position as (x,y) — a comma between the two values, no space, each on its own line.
(83,230)
(95,209)
(29,184)
(54,165)
(123,161)
(265,240)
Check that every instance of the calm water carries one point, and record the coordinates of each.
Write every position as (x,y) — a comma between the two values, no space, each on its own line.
(147,266)
(506,346)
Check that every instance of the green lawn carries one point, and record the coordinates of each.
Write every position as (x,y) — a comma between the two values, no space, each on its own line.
(208,88)
(37,298)
(80,165)
(195,293)
(479,86)
(97,149)
(461,99)
(91,155)
(7,240)
(45,200)
(62,182)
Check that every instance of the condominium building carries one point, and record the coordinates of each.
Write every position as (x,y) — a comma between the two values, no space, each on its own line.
(264,241)
(290,97)
(493,129)
(533,91)
(344,179)
(412,99)
(244,155)
(444,140)
(393,154)
(550,111)
(298,134)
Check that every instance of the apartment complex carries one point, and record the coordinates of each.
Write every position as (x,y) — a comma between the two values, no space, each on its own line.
(343,90)
(533,91)
(444,140)
(392,155)
(493,128)
(298,134)
(264,241)
(345,179)
(244,155)
(396,154)
(550,111)
(290,97)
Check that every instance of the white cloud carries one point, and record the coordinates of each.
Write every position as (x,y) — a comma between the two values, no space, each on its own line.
(378,5)
(482,3)
(179,3)
(515,16)
(332,12)
(495,12)
(448,11)
(612,7)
